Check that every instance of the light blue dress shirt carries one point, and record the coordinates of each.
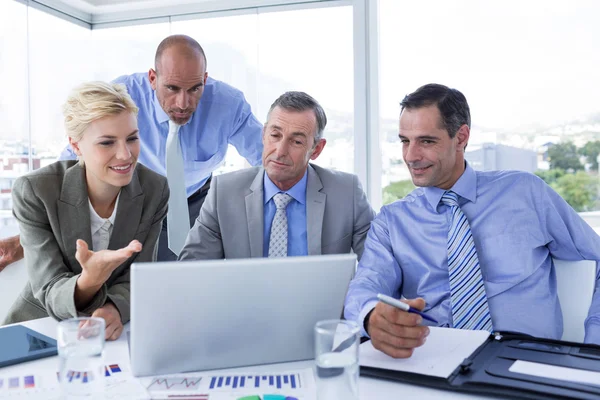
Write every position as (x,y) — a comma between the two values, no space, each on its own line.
(223,117)
(295,212)
(518,223)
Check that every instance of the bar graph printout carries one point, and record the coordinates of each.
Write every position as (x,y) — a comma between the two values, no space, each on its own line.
(295,385)
(285,381)
(27,386)
(17,383)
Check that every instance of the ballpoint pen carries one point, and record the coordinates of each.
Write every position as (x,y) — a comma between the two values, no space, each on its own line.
(403,306)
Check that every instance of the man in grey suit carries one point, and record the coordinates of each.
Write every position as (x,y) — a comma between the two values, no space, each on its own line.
(287,207)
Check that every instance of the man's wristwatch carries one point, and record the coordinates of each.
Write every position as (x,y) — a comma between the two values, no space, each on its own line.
(366,322)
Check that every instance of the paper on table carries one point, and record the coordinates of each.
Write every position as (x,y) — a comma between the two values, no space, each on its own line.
(441,354)
(121,384)
(26,387)
(298,384)
(38,380)
(556,372)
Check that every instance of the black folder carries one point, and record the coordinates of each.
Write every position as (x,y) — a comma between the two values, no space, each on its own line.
(486,370)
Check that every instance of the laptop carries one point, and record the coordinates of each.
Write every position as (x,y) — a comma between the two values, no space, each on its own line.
(199,315)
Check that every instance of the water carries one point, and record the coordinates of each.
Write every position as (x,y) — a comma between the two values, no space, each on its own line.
(337,376)
(81,371)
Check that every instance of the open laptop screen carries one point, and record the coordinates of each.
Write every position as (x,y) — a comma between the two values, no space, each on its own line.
(198,315)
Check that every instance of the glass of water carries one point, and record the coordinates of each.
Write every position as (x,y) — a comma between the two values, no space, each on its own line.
(80,350)
(336,356)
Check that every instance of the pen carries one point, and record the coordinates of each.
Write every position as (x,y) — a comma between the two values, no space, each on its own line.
(403,306)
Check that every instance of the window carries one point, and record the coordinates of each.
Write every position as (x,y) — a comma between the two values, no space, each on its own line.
(251,53)
(312,51)
(125,50)
(14,116)
(46,57)
(230,44)
(60,55)
(529,71)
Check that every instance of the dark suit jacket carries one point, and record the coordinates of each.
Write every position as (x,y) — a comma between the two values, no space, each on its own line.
(230,224)
(51,206)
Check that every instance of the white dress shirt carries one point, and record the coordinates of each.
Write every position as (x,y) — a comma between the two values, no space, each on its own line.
(102,227)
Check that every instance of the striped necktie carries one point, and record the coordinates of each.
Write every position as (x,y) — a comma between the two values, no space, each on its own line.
(467,293)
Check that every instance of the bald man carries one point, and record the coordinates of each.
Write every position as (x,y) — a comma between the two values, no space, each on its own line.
(211,115)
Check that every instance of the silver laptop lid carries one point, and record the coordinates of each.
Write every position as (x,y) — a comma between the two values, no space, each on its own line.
(198,315)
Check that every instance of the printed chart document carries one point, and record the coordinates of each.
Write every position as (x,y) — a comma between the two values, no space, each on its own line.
(290,385)
(444,350)
(39,380)
(24,382)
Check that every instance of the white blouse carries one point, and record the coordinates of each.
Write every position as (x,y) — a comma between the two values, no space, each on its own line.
(102,227)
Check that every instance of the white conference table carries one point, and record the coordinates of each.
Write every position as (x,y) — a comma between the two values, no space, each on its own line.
(369,388)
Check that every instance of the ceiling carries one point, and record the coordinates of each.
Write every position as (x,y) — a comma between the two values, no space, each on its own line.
(100,3)
(109,11)
(104,6)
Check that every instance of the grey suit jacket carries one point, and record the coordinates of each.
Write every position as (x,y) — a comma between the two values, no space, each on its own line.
(230,223)
(51,206)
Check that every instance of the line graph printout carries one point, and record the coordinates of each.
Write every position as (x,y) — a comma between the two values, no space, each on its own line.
(175,384)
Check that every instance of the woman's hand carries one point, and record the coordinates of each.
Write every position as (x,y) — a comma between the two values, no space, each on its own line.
(96,269)
(98,265)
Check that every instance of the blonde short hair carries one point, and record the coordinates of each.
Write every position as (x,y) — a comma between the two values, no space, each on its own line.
(94,100)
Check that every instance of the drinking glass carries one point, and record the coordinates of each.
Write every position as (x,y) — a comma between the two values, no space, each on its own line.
(80,351)
(336,357)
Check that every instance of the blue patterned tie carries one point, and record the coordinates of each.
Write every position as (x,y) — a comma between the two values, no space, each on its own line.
(467,293)
(278,241)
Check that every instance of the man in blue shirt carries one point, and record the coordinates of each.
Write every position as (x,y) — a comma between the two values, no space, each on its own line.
(287,207)
(473,249)
(211,115)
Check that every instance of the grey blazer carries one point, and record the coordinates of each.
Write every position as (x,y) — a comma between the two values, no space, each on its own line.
(230,223)
(51,206)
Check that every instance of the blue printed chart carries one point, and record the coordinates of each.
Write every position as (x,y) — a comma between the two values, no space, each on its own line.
(18,382)
(88,376)
(27,386)
(119,383)
(286,381)
(297,385)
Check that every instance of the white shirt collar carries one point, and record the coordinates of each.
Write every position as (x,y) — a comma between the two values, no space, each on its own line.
(97,221)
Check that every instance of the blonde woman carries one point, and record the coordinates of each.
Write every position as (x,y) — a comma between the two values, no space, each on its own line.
(84,222)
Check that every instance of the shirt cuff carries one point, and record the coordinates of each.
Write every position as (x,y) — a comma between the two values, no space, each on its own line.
(592,334)
(363,314)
